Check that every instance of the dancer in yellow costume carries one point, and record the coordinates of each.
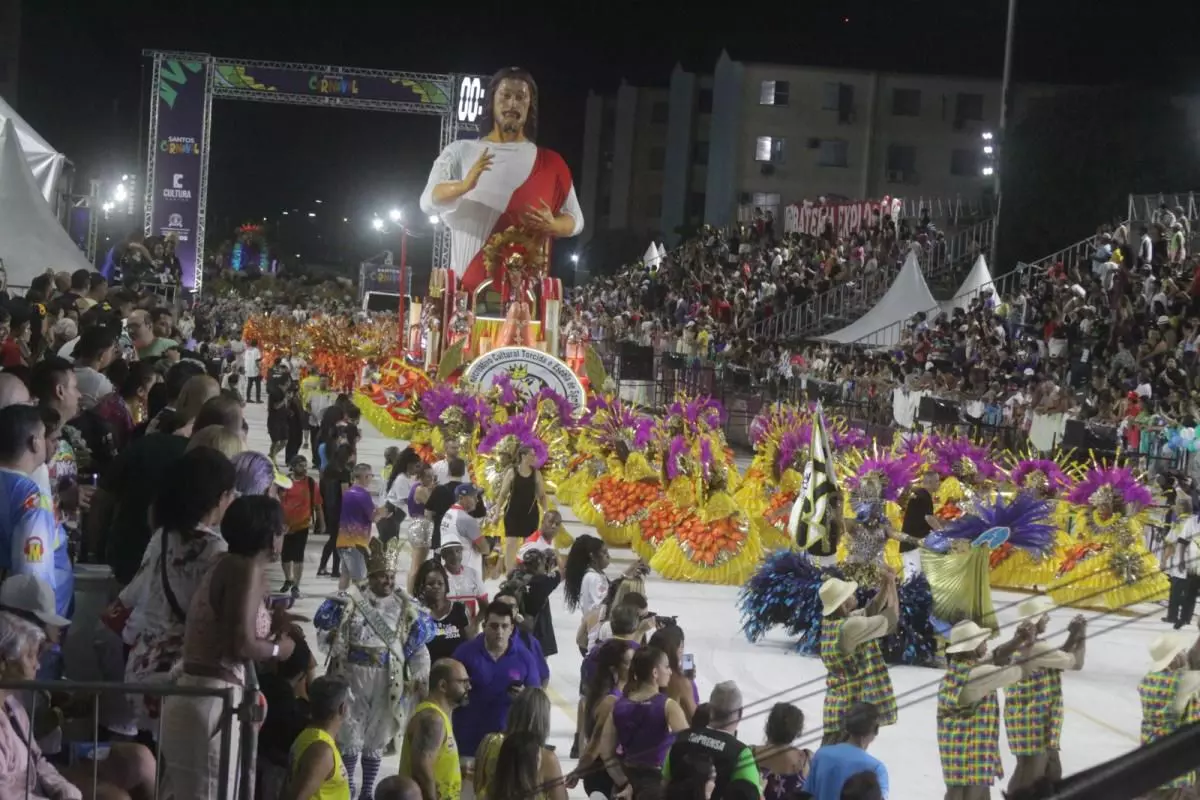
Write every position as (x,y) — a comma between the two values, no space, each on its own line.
(1016,568)
(1108,565)
(616,502)
(967,471)
(781,440)
(705,537)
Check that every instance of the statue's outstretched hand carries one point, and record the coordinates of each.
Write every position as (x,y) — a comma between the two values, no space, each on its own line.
(481,165)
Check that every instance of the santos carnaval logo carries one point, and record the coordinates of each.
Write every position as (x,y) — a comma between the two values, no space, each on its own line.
(179,146)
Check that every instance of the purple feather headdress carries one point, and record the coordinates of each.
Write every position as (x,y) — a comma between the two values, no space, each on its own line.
(792,444)
(442,403)
(958,458)
(514,433)
(891,474)
(677,454)
(596,404)
(1041,474)
(707,461)
(698,411)
(849,439)
(1021,522)
(922,445)
(620,423)
(505,392)
(1116,484)
(773,419)
(563,408)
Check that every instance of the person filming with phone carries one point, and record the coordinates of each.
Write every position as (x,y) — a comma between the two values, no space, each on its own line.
(499,669)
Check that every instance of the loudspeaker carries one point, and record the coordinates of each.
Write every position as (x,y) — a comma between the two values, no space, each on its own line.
(938,411)
(637,362)
(1081,436)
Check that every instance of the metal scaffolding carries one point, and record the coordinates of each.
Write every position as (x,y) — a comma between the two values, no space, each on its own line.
(448,102)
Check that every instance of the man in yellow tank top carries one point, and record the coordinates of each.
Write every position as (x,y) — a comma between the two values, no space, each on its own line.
(429,754)
(317,771)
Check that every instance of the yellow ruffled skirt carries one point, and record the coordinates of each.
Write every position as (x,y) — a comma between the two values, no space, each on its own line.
(1096,579)
(716,545)
(1013,568)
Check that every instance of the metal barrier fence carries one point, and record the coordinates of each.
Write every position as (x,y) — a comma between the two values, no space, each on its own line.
(1143,207)
(246,715)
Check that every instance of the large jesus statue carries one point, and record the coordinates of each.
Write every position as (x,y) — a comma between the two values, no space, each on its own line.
(483,186)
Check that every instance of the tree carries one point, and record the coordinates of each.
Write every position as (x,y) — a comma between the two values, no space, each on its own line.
(1071,161)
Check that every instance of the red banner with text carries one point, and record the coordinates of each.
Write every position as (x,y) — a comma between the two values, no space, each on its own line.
(847,218)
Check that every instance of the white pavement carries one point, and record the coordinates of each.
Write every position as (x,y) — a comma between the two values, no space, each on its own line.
(1102,709)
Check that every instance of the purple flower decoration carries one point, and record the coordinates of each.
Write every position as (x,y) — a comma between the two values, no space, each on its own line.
(960,458)
(563,408)
(677,453)
(1026,471)
(893,473)
(1120,480)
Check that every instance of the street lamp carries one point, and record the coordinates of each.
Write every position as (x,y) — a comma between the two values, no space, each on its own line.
(377,224)
(574,258)
(434,219)
(394,215)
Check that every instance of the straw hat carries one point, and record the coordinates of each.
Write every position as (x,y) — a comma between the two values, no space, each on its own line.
(1035,607)
(834,593)
(1165,648)
(966,636)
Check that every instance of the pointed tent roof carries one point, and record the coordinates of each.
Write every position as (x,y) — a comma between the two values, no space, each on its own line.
(651,257)
(978,279)
(44,161)
(908,295)
(31,240)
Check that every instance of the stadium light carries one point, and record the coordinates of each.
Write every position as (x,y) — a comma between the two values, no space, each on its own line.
(377,224)
(434,219)
(987,136)
(312,213)
(285,213)
(988,172)
(988,149)
(345,219)
(120,193)
(574,258)
(394,215)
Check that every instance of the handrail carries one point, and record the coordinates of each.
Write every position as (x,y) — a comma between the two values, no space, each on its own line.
(1142,207)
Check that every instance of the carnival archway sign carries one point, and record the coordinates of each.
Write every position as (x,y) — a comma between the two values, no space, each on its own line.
(530,369)
(183,86)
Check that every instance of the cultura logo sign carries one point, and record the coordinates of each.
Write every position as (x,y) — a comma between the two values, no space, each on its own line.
(179,146)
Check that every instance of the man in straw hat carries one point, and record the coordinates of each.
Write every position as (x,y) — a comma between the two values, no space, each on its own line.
(1033,706)
(366,636)
(850,651)
(1169,701)
(968,708)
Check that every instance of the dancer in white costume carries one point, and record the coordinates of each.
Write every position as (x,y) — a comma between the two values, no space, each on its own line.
(481,187)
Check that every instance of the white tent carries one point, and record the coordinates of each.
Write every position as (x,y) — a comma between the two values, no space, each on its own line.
(908,295)
(31,240)
(662,250)
(978,279)
(651,258)
(44,161)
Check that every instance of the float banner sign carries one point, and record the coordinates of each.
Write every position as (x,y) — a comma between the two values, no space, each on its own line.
(177,167)
(331,85)
(380,279)
(529,369)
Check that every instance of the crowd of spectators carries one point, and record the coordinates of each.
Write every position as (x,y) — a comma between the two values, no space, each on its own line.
(701,299)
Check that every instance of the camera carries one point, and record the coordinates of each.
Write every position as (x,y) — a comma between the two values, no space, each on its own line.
(665,622)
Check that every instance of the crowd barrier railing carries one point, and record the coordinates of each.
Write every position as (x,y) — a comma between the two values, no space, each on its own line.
(247,715)
(1143,207)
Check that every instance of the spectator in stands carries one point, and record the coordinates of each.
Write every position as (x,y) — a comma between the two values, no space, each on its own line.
(718,741)
(149,343)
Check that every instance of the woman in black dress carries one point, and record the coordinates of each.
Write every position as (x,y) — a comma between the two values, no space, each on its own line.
(334,480)
(521,498)
(451,617)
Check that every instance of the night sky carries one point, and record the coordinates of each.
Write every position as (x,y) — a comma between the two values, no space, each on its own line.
(83,80)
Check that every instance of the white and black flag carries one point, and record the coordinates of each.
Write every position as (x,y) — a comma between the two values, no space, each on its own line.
(809,524)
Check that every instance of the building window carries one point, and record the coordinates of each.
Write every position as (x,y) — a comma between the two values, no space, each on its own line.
(700,154)
(769,148)
(654,206)
(704,101)
(906,102)
(658,113)
(833,153)
(901,158)
(658,157)
(773,93)
(837,97)
(765,199)
(964,162)
(968,107)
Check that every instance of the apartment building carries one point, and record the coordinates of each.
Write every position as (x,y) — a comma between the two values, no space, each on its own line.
(712,148)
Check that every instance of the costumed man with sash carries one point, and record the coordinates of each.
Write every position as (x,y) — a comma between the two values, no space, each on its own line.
(968,708)
(376,643)
(1033,706)
(1170,696)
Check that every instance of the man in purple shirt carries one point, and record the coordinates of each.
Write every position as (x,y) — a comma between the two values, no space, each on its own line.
(499,668)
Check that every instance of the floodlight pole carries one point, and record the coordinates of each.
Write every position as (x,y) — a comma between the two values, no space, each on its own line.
(1005,102)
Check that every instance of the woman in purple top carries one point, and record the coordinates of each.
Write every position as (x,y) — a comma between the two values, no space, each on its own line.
(682,687)
(420,527)
(611,664)
(636,738)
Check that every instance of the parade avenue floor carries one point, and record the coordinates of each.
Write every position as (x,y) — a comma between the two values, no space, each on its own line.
(1102,708)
